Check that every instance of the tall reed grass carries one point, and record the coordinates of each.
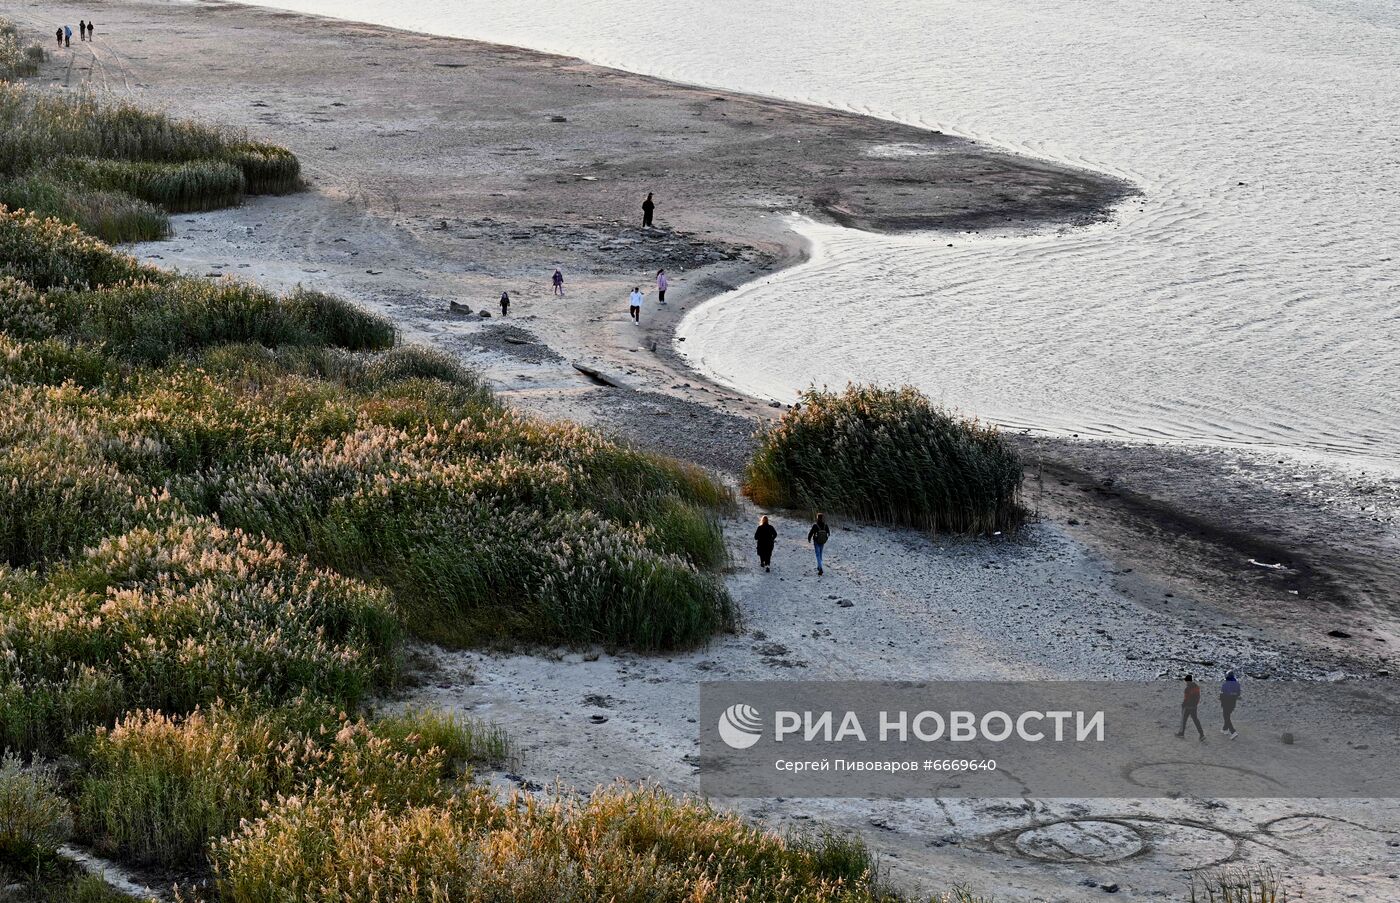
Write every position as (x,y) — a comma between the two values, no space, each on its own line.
(177,187)
(178,617)
(158,789)
(16,59)
(889,456)
(114,215)
(116,170)
(34,818)
(624,843)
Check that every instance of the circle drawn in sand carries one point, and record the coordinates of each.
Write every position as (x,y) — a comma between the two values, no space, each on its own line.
(1178,776)
(1080,841)
(1174,843)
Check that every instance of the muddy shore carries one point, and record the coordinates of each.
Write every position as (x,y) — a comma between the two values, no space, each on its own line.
(443,172)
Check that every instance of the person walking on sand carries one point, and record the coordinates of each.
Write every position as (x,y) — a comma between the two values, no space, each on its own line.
(634,305)
(648,208)
(82,30)
(1190,701)
(764,537)
(91,26)
(68,36)
(1229,697)
(505,303)
(58,36)
(818,536)
(661,283)
(558,280)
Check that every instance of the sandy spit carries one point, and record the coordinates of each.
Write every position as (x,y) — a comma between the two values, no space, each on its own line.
(445,171)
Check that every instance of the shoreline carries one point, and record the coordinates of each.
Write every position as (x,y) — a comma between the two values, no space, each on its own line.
(421,197)
(1191,514)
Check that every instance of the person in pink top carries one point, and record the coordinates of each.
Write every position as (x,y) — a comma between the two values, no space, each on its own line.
(661,284)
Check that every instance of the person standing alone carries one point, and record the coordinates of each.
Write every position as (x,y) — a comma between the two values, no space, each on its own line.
(505,303)
(661,284)
(818,536)
(1229,697)
(648,208)
(1190,701)
(558,280)
(634,305)
(764,537)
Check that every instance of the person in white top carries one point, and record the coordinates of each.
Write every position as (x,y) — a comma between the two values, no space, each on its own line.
(635,305)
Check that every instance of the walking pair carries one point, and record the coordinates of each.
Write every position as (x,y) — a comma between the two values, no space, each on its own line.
(767,535)
(1191,701)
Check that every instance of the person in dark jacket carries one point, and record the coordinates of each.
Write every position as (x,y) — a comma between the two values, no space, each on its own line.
(765,536)
(818,536)
(1190,701)
(505,303)
(1229,697)
(558,280)
(648,208)
(59,35)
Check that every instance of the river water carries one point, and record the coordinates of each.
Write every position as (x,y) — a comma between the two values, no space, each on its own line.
(1251,294)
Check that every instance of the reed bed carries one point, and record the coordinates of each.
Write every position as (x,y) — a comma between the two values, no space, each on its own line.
(16,59)
(116,170)
(221,509)
(176,187)
(34,818)
(267,168)
(158,789)
(889,456)
(621,843)
(116,216)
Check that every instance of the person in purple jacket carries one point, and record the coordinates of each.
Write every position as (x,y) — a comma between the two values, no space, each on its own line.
(661,284)
(1229,698)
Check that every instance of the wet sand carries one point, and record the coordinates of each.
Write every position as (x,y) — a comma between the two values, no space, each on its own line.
(445,171)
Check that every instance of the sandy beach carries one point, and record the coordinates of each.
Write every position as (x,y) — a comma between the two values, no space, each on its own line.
(442,172)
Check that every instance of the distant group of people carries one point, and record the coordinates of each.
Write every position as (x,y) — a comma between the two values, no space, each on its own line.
(64,35)
(766,537)
(635,298)
(1229,698)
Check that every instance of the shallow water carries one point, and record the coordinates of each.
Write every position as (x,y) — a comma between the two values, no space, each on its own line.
(1251,295)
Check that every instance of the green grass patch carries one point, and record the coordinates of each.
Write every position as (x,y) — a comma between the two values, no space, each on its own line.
(889,456)
(176,187)
(114,215)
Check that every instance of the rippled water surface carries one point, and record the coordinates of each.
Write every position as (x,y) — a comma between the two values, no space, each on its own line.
(1250,295)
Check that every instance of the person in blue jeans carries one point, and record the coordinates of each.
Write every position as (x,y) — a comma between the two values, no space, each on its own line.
(818,536)
(1229,698)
